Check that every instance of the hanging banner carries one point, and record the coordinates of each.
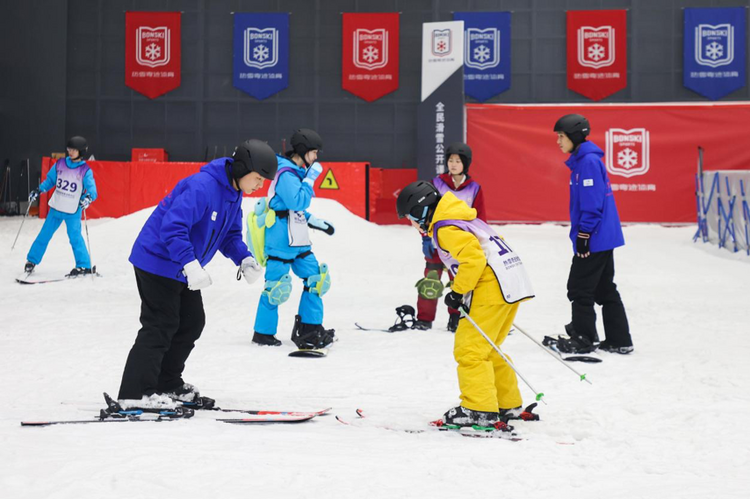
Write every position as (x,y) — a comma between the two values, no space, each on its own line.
(714,51)
(261,53)
(152,52)
(486,53)
(369,64)
(597,52)
(650,153)
(440,115)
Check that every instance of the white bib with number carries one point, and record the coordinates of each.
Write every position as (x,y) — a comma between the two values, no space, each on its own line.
(299,234)
(69,187)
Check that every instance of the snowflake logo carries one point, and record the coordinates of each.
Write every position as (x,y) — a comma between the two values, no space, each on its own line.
(153,51)
(714,50)
(260,53)
(481,53)
(627,158)
(370,54)
(596,52)
(441,46)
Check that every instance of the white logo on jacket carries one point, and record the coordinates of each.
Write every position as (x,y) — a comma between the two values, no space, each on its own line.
(213,216)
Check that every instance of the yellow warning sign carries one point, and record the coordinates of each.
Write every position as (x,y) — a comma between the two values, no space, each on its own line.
(329,181)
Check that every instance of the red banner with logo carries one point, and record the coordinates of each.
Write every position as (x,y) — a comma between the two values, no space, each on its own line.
(152,52)
(597,52)
(370,54)
(650,151)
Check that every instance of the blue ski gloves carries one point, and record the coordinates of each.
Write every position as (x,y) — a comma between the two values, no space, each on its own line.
(312,173)
(316,223)
(454,300)
(582,244)
(427,247)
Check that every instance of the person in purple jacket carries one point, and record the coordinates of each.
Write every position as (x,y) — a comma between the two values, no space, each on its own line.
(595,231)
(202,215)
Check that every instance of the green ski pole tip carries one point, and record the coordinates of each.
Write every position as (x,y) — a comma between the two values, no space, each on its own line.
(583,377)
(539,396)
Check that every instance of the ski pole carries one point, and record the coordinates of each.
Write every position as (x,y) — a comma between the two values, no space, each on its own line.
(21,227)
(539,395)
(556,357)
(88,241)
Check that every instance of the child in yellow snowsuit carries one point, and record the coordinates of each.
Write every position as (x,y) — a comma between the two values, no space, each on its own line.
(490,282)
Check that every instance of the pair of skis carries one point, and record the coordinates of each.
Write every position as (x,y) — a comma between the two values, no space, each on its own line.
(26,278)
(185,412)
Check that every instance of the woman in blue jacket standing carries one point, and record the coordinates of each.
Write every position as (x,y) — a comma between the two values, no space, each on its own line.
(595,232)
(288,246)
(75,190)
(202,215)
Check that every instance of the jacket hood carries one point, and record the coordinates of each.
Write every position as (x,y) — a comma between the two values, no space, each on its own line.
(451,208)
(584,149)
(218,170)
(285,162)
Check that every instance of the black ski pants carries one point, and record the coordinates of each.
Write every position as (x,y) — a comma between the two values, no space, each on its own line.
(172,319)
(591,280)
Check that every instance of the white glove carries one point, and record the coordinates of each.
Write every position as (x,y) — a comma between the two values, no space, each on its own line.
(197,277)
(250,269)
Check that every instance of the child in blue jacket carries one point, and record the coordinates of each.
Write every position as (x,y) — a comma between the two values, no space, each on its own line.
(288,246)
(595,231)
(75,190)
(202,215)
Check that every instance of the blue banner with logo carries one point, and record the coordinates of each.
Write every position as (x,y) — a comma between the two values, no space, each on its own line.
(261,53)
(714,51)
(486,53)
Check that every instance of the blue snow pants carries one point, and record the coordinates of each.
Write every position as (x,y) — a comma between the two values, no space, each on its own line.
(51,224)
(310,304)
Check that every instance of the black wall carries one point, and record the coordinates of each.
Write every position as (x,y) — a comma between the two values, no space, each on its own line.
(66,76)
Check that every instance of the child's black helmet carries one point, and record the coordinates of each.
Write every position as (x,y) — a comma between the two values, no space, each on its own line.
(463,151)
(79,144)
(575,126)
(418,201)
(304,140)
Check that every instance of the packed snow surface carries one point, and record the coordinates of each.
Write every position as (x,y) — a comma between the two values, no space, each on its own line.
(670,420)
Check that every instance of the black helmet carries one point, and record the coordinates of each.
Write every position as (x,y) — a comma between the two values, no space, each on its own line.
(575,126)
(79,144)
(463,151)
(304,140)
(418,200)
(254,156)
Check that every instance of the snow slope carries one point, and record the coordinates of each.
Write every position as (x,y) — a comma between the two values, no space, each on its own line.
(668,421)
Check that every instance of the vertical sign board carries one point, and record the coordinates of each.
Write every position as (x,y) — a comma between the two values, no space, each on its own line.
(440,114)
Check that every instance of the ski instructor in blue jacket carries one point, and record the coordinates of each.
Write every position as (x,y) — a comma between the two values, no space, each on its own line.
(595,232)
(202,215)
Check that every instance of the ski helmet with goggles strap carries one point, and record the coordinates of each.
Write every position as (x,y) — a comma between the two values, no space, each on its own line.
(417,201)
(463,151)
(575,126)
(304,140)
(254,156)
(79,144)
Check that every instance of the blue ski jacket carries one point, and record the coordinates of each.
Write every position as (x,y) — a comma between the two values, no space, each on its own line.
(592,204)
(290,193)
(202,215)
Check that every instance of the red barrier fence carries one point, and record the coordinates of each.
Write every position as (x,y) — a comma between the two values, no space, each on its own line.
(650,153)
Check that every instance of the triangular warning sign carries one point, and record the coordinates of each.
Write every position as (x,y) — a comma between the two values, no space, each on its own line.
(329,181)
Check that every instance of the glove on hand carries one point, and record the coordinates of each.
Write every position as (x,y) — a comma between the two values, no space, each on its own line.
(250,269)
(85,201)
(33,195)
(319,224)
(428,249)
(312,173)
(454,300)
(197,277)
(582,244)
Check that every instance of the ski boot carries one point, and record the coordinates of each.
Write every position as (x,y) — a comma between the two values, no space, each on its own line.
(405,318)
(453,322)
(80,271)
(527,414)
(189,396)
(573,344)
(607,347)
(311,336)
(155,403)
(268,340)
(461,417)
(422,325)
(29,267)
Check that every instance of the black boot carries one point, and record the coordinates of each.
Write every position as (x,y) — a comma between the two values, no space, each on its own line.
(422,325)
(80,271)
(266,340)
(461,416)
(29,267)
(453,322)
(311,336)
(189,396)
